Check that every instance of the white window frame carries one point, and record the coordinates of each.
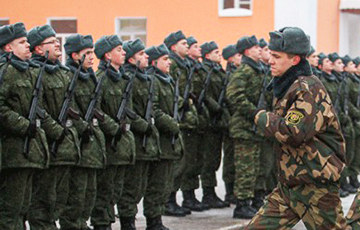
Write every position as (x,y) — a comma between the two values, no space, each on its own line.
(63,36)
(236,11)
(5,19)
(132,35)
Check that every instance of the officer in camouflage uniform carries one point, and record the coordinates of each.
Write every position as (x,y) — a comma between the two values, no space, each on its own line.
(233,58)
(177,44)
(15,98)
(120,142)
(243,95)
(309,143)
(345,119)
(46,183)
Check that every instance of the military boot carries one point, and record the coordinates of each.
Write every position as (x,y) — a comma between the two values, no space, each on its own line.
(230,197)
(354,181)
(243,209)
(191,202)
(347,187)
(210,198)
(155,224)
(172,208)
(127,223)
(258,200)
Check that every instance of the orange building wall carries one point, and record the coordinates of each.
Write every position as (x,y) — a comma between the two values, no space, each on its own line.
(328,26)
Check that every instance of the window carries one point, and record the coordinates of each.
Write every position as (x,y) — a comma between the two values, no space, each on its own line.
(131,28)
(64,27)
(235,8)
(4,21)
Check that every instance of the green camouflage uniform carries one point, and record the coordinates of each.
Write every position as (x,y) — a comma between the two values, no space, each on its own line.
(353,215)
(110,179)
(17,170)
(243,93)
(311,155)
(45,182)
(137,175)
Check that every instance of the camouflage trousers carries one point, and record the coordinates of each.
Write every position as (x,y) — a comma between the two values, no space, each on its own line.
(353,216)
(45,197)
(228,160)
(267,172)
(349,135)
(354,167)
(15,195)
(246,157)
(317,205)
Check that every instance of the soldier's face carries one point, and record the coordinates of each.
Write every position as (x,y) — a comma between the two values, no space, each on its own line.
(195,51)
(236,59)
(20,47)
(52,45)
(280,62)
(181,48)
(89,57)
(338,66)
(265,54)
(117,56)
(214,56)
(254,53)
(350,67)
(313,59)
(358,69)
(327,65)
(163,63)
(142,57)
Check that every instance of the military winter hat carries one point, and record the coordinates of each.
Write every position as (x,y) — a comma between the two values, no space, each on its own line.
(173,38)
(8,33)
(38,34)
(291,40)
(106,44)
(262,43)
(346,59)
(246,43)
(191,40)
(229,51)
(322,57)
(356,61)
(334,56)
(132,47)
(312,50)
(78,42)
(207,47)
(156,52)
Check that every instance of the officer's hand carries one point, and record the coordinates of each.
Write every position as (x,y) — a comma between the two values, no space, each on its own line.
(31,131)
(174,127)
(193,97)
(63,134)
(87,133)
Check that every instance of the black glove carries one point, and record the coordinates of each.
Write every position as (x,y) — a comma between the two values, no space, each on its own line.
(150,129)
(31,130)
(62,136)
(86,134)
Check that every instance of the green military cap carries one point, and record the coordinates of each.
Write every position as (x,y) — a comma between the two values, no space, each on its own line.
(173,38)
(322,57)
(132,47)
(312,50)
(334,56)
(246,42)
(38,34)
(191,40)
(291,40)
(106,44)
(262,43)
(356,61)
(8,33)
(78,42)
(207,47)
(346,59)
(229,51)
(156,52)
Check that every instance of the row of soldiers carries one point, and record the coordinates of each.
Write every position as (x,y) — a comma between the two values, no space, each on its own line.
(149,122)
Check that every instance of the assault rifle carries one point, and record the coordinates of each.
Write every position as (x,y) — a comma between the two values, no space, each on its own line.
(223,88)
(149,109)
(203,90)
(262,99)
(186,94)
(176,106)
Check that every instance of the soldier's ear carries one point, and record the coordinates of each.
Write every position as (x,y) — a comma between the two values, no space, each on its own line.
(74,56)
(8,48)
(108,56)
(38,50)
(296,60)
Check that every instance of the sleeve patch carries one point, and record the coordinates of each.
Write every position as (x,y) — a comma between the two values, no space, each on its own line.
(294,117)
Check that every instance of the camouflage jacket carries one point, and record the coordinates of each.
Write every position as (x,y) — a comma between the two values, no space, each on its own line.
(140,96)
(190,119)
(115,85)
(167,125)
(242,94)
(15,98)
(309,142)
(93,153)
(56,80)
(352,96)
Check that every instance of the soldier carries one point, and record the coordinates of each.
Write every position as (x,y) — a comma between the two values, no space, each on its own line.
(217,122)
(345,119)
(243,96)
(16,93)
(233,58)
(265,55)
(313,59)
(181,69)
(311,151)
(47,183)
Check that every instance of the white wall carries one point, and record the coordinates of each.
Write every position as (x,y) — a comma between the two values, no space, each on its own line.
(299,13)
(349,35)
